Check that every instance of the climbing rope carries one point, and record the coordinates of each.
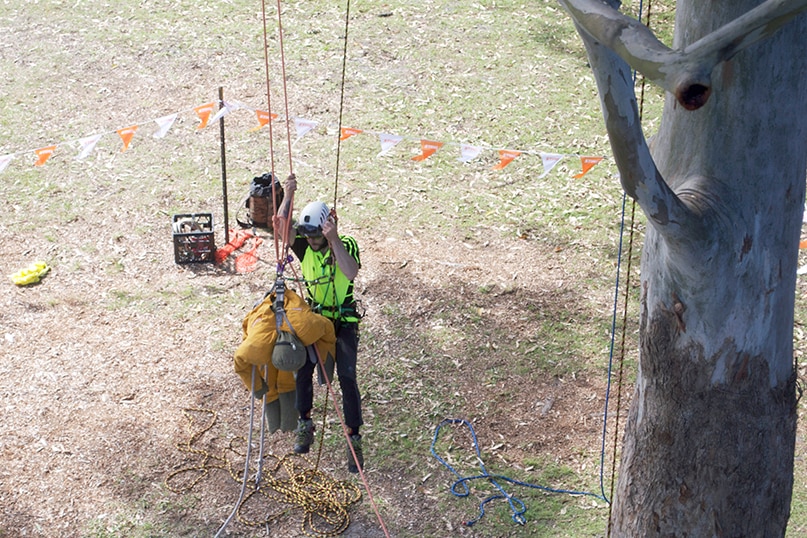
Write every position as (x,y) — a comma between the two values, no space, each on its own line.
(282,485)
(460,487)
(288,483)
(341,109)
(621,358)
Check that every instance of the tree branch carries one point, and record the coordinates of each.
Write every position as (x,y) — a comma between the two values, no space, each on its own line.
(640,178)
(685,73)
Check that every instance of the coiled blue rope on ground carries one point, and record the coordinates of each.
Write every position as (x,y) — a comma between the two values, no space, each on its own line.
(460,487)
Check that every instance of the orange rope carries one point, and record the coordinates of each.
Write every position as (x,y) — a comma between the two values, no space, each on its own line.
(349,444)
(285,90)
(288,219)
(281,245)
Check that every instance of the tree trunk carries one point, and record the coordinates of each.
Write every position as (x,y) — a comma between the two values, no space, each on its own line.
(710,436)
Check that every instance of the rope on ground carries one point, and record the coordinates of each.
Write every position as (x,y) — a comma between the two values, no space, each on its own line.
(460,487)
(286,483)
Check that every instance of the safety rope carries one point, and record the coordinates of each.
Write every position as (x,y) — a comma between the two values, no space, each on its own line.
(341,108)
(517,506)
(350,445)
(334,514)
(281,246)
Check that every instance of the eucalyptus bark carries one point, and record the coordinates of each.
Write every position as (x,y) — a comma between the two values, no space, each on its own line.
(710,437)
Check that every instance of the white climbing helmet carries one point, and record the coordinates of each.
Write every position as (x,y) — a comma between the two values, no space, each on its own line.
(312,218)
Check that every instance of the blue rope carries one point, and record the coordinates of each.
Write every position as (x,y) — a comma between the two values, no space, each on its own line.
(517,506)
(613,320)
(518,512)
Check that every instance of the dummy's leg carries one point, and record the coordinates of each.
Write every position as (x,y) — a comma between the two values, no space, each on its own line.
(271,410)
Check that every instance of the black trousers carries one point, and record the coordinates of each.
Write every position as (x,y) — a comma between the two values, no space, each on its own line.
(347,345)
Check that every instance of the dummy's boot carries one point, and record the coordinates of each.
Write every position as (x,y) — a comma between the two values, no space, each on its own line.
(272,412)
(288,414)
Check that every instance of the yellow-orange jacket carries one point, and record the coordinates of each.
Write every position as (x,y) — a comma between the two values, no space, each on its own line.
(259,331)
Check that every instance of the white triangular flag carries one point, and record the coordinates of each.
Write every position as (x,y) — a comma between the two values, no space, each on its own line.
(303,126)
(87,145)
(4,160)
(165,123)
(549,160)
(388,141)
(469,152)
(225,109)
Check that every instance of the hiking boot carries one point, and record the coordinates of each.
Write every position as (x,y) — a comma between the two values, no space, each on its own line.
(305,436)
(355,441)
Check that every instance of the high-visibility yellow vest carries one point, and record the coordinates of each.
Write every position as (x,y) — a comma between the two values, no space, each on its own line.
(330,291)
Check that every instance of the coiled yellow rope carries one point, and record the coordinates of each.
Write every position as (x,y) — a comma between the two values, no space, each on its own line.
(287,483)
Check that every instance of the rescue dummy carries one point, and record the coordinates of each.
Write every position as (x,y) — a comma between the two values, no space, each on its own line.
(298,325)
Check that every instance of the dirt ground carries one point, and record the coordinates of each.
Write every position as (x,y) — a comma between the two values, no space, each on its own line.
(93,391)
(100,359)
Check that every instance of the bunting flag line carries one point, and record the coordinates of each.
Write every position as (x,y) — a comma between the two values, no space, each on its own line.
(263,119)
(428,147)
(388,141)
(204,111)
(468,152)
(224,109)
(126,135)
(347,132)
(549,160)
(588,163)
(303,127)
(4,161)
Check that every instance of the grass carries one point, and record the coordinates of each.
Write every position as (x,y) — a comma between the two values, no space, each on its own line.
(498,73)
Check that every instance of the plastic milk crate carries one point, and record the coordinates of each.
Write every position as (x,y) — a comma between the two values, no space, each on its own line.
(193,238)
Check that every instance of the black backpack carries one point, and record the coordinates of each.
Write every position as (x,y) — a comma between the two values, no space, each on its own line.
(258,204)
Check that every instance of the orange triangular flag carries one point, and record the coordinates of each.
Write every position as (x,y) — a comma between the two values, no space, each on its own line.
(588,163)
(43,154)
(427,149)
(347,132)
(203,111)
(126,135)
(506,156)
(263,119)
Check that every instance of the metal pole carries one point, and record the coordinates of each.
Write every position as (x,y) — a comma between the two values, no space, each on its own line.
(224,169)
